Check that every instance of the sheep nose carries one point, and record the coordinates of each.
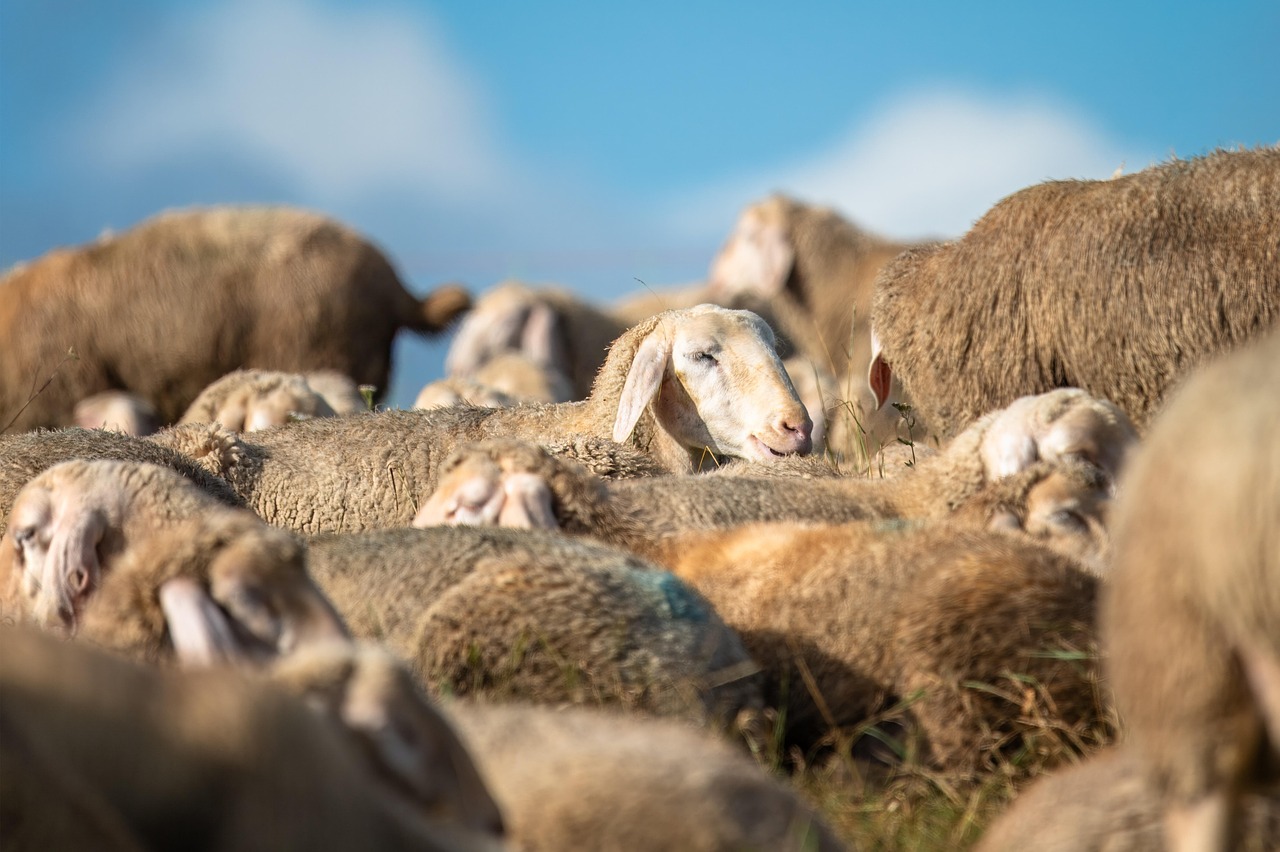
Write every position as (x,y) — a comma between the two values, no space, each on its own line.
(797,434)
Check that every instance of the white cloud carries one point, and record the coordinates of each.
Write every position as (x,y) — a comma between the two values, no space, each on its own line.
(339,102)
(928,164)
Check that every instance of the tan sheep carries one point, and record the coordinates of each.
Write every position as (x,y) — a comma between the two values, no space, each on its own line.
(134,557)
(685,387)
(577,778)
(552,327)
(1192,617)
(203,454)
(1105,804)
(536,615)
(372,696)
(165,308)
(1059,499)
(212,757)
(1116,286)
(988,637)
(505,379)
(252,400)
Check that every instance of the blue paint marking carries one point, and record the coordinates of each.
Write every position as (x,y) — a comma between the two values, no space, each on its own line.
(683,602)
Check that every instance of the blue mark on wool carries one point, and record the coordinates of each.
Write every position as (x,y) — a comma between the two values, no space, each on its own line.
(684,603)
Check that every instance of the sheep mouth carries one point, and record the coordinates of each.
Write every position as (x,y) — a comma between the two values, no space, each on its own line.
(760,450)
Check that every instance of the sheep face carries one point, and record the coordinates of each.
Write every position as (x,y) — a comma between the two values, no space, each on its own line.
(52,551)
(260,400)
(1066,509)
(93,546)
(1066,423)
(758,256)
(716,384)
(510,318)
(501,489)
(375,698)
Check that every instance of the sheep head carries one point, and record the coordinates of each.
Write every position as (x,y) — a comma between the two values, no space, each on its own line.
(1063,504)
(412,746)
(135,556)
(251,400)
(758,257)
(714,382)
(509,318)
(1066,423)
(493,483)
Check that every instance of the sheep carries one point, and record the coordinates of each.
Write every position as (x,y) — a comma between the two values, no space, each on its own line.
(1058,498)
(816,271)
(134,557)
(685,386)
(1106,805)
(118,411)
(1191,617)
(578,778)
(251,400)
(201,453)
(968,627)
(367,691)
(1117,286)
(535,614)
(446,393)
(506,379)
(552,327)
(209,758)
(272,288)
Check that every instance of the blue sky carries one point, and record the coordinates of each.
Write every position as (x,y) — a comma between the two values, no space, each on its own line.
(593,144)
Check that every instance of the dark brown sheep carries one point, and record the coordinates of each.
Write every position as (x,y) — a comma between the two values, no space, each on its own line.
(1116,286)
(167,307)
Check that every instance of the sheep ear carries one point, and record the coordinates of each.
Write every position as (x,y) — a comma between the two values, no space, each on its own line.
(880,377)
(642,384)
(200,633)
(543,340)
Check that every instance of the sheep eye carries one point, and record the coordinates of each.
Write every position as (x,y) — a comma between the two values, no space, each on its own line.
(1068,519)
(706,359)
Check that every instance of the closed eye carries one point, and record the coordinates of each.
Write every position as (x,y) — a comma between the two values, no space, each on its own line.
(706,359)
(1068,519)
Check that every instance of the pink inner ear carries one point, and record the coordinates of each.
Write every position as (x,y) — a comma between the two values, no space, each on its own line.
(199,631)
(642,384)
(880,377)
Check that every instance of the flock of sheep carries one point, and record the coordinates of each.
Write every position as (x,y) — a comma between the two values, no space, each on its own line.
(1011,500)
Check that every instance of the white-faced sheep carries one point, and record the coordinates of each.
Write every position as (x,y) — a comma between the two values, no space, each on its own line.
(577,778)
(251,400)
(135,558)
(1192,616)
(211,758)
(165,308)
(816,272)
(201,453)
(1117,286)
(685,387)
(553,328)
(1106,804)
(1055,496)
(536,615)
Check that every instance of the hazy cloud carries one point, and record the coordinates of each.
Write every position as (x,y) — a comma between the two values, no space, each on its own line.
(339,101)
(928,163)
